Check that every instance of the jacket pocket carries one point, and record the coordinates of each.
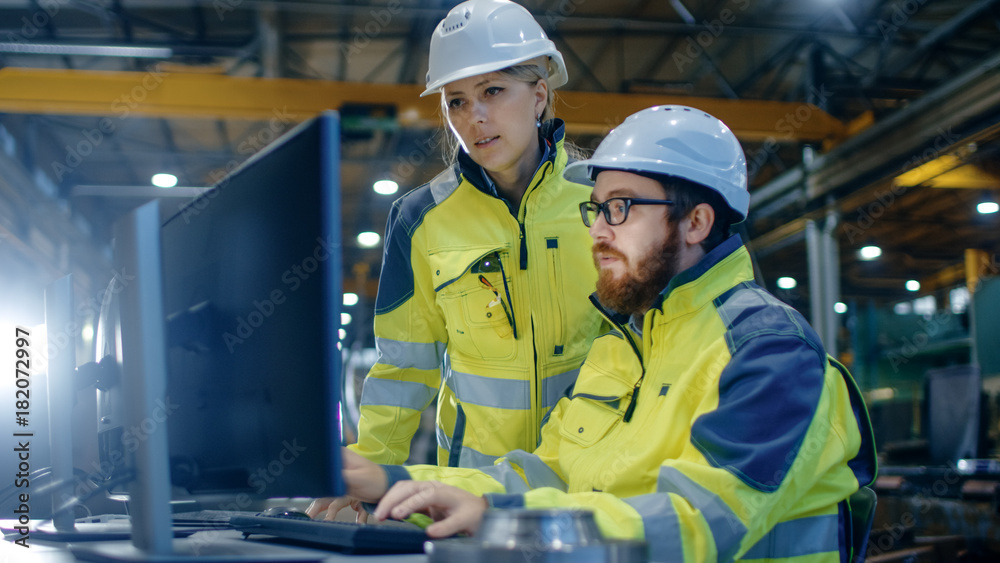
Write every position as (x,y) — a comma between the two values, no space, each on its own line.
(471,295)
(597,403)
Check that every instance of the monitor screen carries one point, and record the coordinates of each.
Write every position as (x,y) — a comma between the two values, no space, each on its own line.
(251,298)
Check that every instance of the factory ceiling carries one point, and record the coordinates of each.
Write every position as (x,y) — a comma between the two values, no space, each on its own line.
(883,115)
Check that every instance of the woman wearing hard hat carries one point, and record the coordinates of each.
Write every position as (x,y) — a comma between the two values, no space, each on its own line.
(482,299)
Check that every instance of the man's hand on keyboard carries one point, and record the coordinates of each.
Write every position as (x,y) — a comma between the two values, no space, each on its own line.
(452,509)
(366,482)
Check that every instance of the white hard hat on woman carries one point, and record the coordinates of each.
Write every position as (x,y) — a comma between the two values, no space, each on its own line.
(483,36)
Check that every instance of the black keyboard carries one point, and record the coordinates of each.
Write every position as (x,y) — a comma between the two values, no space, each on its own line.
(350,537)
(214,518)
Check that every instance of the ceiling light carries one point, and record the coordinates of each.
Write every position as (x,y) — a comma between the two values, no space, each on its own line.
(988,207)
(385,187)
(925,305)
(345,318)
(787,283)
(350,299)
(881,394)
(870,252)
(164,180)
(840,307)
(342,333)
(912,285)
(368,239)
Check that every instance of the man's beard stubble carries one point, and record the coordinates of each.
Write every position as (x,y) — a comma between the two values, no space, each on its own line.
(636,289)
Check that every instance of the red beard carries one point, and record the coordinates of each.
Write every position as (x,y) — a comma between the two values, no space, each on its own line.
(636,289)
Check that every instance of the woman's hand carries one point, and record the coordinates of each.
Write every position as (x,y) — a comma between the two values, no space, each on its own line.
(452,509)
(328,507)
(366,482)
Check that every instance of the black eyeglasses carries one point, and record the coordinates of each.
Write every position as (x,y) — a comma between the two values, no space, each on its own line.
(615,209)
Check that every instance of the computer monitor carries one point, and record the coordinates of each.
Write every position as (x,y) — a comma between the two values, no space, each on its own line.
(252,294)
(229,337)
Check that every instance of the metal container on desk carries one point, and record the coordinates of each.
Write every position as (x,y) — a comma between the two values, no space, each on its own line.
(537,535)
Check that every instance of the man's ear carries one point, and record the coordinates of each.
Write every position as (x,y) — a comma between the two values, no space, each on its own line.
(700,221)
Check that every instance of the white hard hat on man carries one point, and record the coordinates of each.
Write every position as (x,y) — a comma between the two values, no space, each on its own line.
(676,141)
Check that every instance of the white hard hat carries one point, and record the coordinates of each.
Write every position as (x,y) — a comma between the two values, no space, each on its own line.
(481,36)
(673,141)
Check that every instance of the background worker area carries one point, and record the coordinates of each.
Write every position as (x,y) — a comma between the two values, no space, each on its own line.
(482,295)
(710,422)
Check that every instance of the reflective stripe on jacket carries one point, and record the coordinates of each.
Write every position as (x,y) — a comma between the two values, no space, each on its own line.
(744,440)
(483,306)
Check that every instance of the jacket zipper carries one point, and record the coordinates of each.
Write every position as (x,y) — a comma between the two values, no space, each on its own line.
(524,247)
(542,172)
(552,245)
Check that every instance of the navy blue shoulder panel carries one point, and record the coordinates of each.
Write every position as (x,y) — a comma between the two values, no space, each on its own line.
(395,283)
(749,311)
(769,391)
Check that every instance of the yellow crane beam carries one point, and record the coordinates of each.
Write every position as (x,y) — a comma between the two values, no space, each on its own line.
(162,92)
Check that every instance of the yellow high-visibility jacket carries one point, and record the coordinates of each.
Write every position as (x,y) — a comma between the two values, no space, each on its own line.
(722,432)
(482,304)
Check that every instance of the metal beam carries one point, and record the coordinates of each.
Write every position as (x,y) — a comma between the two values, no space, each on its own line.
(169,94)
(604,48)
(909,137)
(937,35)
(751,120)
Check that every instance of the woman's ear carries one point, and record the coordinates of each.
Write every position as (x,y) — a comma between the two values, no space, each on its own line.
(541,96)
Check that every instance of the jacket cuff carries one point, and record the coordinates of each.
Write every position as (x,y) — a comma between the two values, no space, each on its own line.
(500,500)
(393,475)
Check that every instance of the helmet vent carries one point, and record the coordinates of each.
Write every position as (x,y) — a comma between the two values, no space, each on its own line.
(451,24)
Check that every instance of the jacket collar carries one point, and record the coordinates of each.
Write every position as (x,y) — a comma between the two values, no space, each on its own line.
(725,266)
(550,136)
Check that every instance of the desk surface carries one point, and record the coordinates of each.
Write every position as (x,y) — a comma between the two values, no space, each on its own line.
(214,545)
